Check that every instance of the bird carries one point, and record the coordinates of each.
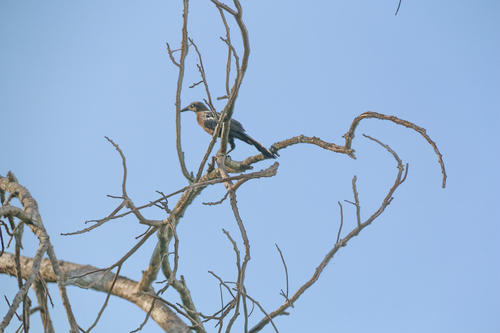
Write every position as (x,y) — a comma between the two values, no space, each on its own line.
(208,121)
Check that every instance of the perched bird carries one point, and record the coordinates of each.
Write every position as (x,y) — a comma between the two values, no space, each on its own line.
(208,122)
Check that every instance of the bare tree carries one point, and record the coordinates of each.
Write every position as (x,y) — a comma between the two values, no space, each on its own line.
(35,272)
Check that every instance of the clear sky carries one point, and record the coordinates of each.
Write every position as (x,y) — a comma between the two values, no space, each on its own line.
(72,72)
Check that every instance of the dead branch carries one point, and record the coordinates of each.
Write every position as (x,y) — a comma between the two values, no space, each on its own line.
(284,294)
(397,9)
(227,112)
(341,243)
(99,281)
(229,48)
(210,178)
(349,136)
(42,248)
(40,288)
(180,78)
(34,221)
(34,270)
(201,69)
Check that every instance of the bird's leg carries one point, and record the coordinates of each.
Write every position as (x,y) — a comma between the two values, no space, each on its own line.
(274,150)
(232,144)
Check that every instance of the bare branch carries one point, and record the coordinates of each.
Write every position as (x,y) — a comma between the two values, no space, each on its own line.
(37,270)
(225,7)
(296,140)
(125,257)
(269,172)
(229,48)
(284,294)
(196,84)
(98,222)
(185,294)
(151,272)
(99,281)
(171,55)
(227,113)
(40,288)
(30,208)
(356,200)
(406,173)
(61,284)
(201,69)
(15,212)
(209,179)
(236,252)
(241,276)
(349,136)
(397,9)
(101,311)
(42,248)
(184,51)
(1,241)
(340,243)
(263,311)
(341,221)
(232,51)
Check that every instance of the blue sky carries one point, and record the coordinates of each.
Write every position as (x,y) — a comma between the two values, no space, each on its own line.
(73,72)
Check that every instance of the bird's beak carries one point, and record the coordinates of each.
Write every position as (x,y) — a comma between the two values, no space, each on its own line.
(185,109)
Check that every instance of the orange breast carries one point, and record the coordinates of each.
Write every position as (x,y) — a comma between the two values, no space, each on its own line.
(200,118)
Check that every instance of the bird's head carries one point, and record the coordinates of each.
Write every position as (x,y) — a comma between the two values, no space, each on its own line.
(195,107)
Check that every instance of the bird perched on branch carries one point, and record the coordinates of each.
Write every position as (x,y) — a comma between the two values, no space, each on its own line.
(208,121)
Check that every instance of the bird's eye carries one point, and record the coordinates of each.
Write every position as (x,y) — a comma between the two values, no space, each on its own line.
(192,106)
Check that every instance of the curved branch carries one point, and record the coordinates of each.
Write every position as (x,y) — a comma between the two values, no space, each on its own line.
(350,134)
(347,147)
(99,281)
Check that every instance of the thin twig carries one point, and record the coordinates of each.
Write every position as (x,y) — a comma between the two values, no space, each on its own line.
(263,311)
(285,295)
(397,9)
(171,55)
(210,180)
(101,311)
(201,69)
(99,222)
(356,200)
(229,49)
(341,221)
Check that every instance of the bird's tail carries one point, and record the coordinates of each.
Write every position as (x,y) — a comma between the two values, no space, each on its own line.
(246,138)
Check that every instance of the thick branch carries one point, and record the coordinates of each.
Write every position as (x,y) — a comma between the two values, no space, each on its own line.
(99,281)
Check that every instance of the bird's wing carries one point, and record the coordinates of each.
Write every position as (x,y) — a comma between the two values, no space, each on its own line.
(236,126)
(210,124)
